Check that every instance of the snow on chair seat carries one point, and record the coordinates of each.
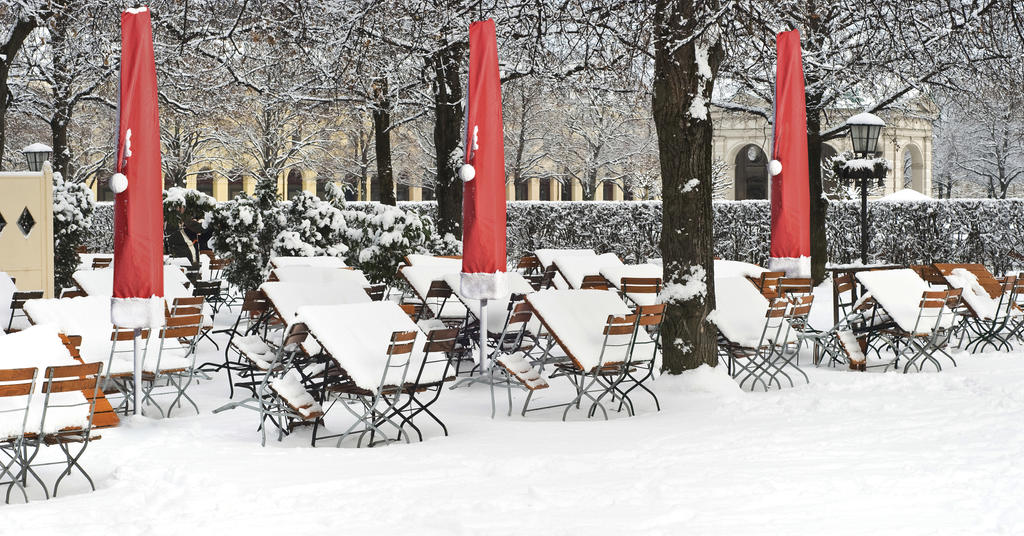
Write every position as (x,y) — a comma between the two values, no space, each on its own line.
(324,261)
(289,387)
(520,368)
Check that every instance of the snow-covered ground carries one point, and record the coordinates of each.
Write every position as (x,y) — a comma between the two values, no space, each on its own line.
(850,453)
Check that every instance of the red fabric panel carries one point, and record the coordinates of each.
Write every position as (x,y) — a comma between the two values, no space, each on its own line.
(483,230)
(138,211)
(791,233)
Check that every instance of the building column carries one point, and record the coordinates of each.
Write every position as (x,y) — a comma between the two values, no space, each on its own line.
(577,190)
(249,184)
(620,192)
(191,182)
(309,185)
(510,192)
(220,188)
(533,189)
(415,193)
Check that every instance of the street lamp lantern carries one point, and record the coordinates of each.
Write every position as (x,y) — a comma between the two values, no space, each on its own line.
(37,154)
(864,131)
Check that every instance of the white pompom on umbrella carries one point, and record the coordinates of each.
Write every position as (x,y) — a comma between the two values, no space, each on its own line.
(774,167)
(118,183)
(467,172)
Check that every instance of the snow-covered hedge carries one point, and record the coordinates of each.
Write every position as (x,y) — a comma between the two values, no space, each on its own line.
(72,221)
(958,230)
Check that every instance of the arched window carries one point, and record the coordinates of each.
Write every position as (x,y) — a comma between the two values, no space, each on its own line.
(545,189)
(402,192)
(294,182)
(236,184)
(608,190)
(566,191)
(751,181)
(204,181)
(523,190)
(913,169)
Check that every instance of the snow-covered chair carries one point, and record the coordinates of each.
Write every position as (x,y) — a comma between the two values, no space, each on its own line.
(990,307)
(922,319)
(547,257)
(598,333)
(19,386)
(637,283)
(422,394)
(427,282)
(575,269)
(753,332)
(250,348)
(18,320)
(357,339)
(287,297)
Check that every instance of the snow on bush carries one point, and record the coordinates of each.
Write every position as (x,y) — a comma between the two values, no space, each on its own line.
(72,218)
(380,236)
(182,204)
(237,228)
(311,228)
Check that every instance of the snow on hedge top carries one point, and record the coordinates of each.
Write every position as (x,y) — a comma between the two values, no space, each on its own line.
(866,118)
(497,310)
(906,194)
(577,319)
(101,282)
(39,347)
(288,297)
(421,276)
(321,275)
(575,267)
(737,269)
(326,261)
(740,311)
(547,256)
(357,337)
(899,293)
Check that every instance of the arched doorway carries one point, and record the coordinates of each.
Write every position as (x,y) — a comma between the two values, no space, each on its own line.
(913,169)
(293,184)
(751,179)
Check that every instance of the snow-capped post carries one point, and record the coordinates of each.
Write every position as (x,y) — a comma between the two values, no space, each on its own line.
(790,181)
(137,300)
(483,174)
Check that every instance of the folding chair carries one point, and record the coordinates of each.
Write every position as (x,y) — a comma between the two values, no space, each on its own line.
(528,264)
(929,335)
(17,387)
(211,293)
(377,292)
(619,337)
(985,329)
(756,362)
(248,341)
(767,283)
(62,386)
(284,396)
(794,287)
(423,395)
(595,282)
(194,306)
(175,362)
(121,378)
(18,300)
(643,360)
(388,391)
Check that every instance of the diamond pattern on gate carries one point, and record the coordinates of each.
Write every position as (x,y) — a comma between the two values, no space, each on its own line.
(3,223)
(26,222)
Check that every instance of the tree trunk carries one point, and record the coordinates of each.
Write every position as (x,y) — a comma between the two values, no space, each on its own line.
(61,92)
(684,148)
(8,51)
(382,145)
(819,205)
(447,87)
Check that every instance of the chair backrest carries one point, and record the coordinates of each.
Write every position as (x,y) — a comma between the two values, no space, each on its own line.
(618,332)
(528,264)
(768,282)
(439,289)
(399,355)
(412,309)
(187,306)
(800,311)
(793,287)
(931,307)
(640,285)
(649,318)
(775,324)
(183,326)
(594,282)
(217,266)
(17,382)
(930,274)
(72,343)
(206,289)
(548,279)
(376,292)
(69,378)
(71,293)
(516,323)
(101,262)
(19,298)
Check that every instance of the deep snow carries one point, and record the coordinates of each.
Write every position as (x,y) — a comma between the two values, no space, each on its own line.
(850,453)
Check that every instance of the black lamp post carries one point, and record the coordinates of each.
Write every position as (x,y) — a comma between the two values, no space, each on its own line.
(865,129)
(37,154)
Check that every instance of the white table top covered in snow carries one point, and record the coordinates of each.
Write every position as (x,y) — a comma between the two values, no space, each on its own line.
(576,318)
(324,260)
(898,292)
(288,297)
(547,256)
(101,282)
(740,311)
(615,274)
(357,337)
(419,259)
(576,267)
(497,309)
(725,268)
(421,276)
(39,347)
(975,295)
(322,275)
